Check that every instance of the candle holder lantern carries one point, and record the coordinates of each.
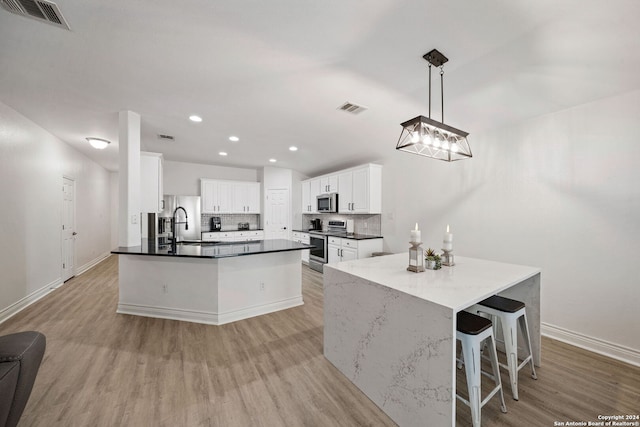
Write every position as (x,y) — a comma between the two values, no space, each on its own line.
(416,257)
(447,258)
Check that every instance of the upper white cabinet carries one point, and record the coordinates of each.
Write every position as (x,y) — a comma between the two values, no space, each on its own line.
(314,192)
(151,189)
(246,197)
(306,197)
(360,190)
(310,191)
(329,184)
(215,196)
(345,196)
(219,196)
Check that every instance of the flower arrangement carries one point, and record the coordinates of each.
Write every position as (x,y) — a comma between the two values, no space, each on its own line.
(432,260)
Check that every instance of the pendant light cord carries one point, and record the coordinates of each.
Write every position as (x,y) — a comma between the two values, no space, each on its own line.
(442,91)
(429,90)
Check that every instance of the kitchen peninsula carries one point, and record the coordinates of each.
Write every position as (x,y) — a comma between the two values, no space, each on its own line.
(211,283)
(392,332)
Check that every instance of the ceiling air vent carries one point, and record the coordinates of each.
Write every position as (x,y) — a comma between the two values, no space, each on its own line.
(352,108)
(42,10)
(165,137)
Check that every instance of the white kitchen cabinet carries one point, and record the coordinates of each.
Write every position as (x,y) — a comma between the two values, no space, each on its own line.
(314,192)
(253,197)
(329,184)
(216,196)
(246,197)
(345,192)
(342,249)
(360,190)
(233,236)
(151,183)
(301,237)
(220,196)
(306,194)
(310,192)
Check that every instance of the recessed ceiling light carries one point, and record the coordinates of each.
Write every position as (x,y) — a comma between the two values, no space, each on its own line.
(293,148)
(98,143)
(195,118)
(234,138)
(223,153)
(272,160)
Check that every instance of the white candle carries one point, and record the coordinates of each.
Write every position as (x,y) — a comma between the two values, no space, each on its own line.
(415,235)
(448,240)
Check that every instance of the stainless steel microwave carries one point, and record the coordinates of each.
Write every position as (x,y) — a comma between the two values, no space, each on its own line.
(327,202)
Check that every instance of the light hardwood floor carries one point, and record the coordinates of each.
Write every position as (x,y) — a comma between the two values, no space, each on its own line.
(106,369)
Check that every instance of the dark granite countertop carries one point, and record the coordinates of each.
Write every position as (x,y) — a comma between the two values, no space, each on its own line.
(232,231)
(354,236)
(214,249)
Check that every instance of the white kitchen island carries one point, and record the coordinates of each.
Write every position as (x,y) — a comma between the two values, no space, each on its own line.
(392,332)
(210,283)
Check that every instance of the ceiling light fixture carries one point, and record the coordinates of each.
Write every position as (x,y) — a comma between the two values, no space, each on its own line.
(98,143)
(427,137)
(293,148)
(234,138)
(272,160)
(195,118)
(222,153)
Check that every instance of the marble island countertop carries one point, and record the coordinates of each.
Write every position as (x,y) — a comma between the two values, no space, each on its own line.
(470,280)
(212,249)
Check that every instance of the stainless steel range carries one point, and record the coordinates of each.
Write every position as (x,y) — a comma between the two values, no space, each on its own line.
(318,255)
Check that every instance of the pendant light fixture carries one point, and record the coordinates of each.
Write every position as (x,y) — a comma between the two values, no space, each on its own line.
(430,138)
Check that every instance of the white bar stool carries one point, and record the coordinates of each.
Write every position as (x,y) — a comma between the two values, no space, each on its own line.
(472,330)
(511,314)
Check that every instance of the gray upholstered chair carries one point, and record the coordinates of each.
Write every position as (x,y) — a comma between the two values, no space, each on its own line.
(20,358)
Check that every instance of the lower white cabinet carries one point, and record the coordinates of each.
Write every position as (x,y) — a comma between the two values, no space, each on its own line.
(233,236)
(300,237)
(341,249)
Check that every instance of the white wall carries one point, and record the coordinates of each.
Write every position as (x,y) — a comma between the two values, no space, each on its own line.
(33,163)
(184,178)
(115,202)
(560,192)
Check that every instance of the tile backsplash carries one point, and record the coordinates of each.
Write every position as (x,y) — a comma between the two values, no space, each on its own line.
(230,221)
(362,224)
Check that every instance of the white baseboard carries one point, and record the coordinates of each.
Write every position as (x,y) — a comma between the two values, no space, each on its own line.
(245,313)
(596,345)
(207,318)
(28,300)
(93,262)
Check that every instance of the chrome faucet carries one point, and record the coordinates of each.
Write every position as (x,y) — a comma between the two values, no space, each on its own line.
(174,229)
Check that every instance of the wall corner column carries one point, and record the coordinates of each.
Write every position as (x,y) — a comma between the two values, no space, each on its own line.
(129,179)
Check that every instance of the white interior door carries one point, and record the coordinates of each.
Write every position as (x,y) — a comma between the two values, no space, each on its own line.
(276,224)
(68,229)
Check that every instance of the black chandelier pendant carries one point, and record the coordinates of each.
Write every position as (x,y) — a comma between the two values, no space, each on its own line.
(430,138)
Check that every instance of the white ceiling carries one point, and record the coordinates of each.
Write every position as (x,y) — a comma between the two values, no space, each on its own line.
(274,72)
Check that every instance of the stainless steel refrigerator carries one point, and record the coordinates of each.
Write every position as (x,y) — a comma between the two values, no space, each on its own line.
(191,204)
